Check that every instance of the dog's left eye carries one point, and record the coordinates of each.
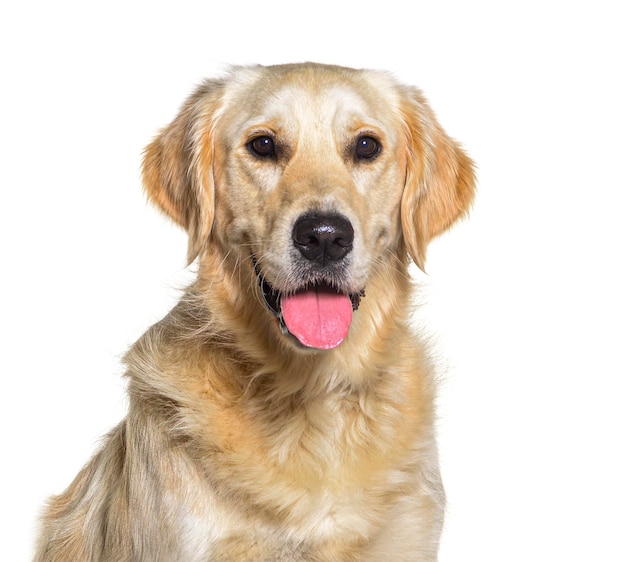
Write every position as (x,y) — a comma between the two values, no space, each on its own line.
(262,146)
(367,148)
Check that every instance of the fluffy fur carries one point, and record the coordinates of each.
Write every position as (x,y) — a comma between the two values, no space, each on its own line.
(240,444)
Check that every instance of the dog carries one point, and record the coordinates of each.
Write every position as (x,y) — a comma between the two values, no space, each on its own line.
(283,410)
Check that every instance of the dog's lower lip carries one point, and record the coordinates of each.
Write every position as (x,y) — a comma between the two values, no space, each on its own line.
(271,297)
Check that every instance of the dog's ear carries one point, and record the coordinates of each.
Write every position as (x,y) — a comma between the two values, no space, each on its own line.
(177,166)
(440,180)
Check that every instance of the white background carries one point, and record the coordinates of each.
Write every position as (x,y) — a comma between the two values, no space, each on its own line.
(525,300)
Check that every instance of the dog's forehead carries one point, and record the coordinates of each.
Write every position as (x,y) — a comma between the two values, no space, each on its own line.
(315,101)
(328,107)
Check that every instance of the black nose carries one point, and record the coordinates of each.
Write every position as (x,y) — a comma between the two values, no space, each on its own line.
(323,238)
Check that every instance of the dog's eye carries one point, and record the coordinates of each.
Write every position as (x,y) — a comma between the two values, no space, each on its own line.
(262,146)
(367,148)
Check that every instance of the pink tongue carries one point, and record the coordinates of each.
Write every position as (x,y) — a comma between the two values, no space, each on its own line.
(318,317)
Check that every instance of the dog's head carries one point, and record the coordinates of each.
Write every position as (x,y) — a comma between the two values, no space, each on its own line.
(315,177)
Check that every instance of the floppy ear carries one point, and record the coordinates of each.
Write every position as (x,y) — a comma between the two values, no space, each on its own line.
(177,166)
(440,183)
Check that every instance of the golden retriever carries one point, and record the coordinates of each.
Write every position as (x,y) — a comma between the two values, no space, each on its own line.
(283,410)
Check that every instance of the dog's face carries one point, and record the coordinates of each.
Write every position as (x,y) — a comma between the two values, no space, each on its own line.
(315,176)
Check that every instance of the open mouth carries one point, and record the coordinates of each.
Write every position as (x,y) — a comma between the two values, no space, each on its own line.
(317,314)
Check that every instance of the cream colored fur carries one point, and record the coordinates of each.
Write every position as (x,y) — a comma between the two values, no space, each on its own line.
(239,444)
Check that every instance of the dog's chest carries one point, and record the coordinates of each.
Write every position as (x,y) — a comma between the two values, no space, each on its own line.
(316,471)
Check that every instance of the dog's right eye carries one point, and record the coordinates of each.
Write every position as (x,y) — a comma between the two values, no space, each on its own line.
(367,148)
(262,146)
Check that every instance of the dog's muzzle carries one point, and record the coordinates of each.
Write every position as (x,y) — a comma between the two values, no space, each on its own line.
(318,313)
